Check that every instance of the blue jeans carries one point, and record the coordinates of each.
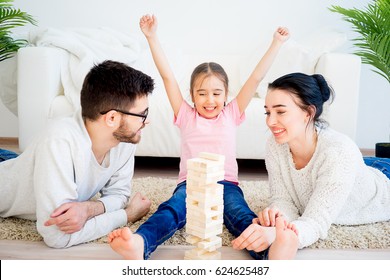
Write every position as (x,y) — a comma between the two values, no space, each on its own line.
(382,164)
(171,216)
(6,155)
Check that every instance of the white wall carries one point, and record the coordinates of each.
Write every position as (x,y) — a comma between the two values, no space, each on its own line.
(212,25)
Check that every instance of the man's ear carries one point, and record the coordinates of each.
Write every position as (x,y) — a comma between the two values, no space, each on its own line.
(111,118)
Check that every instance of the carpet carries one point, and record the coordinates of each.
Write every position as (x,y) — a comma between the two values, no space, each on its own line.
(370,236)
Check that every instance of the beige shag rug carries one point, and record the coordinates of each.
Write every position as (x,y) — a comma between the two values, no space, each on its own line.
(371,236)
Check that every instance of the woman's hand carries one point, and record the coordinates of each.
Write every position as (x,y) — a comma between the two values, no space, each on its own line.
(267,217)
(255,238)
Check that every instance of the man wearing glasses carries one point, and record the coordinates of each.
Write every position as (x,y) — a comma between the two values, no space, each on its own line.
(75,179)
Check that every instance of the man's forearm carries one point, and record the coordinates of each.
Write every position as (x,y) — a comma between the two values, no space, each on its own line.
(95,208)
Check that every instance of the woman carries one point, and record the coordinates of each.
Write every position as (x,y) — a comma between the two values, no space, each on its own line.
(317,176)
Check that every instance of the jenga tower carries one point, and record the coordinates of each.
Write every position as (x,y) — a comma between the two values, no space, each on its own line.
(204,206)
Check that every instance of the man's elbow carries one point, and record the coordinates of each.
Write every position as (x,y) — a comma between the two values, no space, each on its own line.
(56,240)
(56,243)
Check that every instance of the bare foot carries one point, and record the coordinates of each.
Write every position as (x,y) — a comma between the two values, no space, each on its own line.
(285,245)
(138,207)
(127,244)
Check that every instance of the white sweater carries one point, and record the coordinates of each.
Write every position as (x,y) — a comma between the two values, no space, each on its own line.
(60,167)
(335,187)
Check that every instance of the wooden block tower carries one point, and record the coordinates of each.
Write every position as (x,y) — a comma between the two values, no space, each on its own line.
(204,206)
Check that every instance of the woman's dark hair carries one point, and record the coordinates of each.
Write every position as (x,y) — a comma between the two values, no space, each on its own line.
(310,90)
(112,85)
(207,69)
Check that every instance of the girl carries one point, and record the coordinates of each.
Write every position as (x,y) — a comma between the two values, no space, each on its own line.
(209,126)
(317,175)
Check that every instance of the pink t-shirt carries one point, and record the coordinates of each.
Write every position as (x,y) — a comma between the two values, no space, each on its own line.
(217,135)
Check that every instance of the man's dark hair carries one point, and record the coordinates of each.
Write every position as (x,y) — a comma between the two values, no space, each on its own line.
(112,85)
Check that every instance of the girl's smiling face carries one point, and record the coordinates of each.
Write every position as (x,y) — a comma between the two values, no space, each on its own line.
(209,96)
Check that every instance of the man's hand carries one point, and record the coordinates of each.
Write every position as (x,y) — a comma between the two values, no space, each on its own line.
(70,217)
(138,207)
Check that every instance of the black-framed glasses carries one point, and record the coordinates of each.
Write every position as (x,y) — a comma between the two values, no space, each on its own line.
(143,116)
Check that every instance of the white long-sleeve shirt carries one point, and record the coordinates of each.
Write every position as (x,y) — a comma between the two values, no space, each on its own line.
(335,187)
(60,167)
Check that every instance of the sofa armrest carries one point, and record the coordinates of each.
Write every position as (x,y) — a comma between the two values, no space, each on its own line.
(39,82)
(342,71)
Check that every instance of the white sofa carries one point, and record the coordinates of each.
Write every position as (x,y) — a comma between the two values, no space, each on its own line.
(41,95)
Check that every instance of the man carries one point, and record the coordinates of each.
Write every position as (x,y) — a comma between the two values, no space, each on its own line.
(56,178)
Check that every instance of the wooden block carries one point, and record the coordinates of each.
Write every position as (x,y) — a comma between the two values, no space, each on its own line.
(209,188)
(204,204)
(206,175)
(212,156)
(217,208)
(207,211)
(205,224)
(204,218)
(200,179)
(197,175)
(212,189)
(201,218)
(193,239)
(202,233)
(204,165)
(208,228)
(204,197)
(204,208)
(204,180)
(210,244)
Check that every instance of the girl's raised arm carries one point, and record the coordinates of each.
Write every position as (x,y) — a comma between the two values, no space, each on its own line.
(249,88)
(148,25)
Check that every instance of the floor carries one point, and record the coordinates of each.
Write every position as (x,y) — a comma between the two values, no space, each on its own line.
(21,250)
(166,168)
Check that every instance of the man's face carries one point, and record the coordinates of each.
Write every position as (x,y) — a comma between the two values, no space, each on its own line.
(129,130)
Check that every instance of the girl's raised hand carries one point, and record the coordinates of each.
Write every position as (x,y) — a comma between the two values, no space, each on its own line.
(282,34)
(148,25)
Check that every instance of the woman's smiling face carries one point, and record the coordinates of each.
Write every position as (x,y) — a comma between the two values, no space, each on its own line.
(286,120)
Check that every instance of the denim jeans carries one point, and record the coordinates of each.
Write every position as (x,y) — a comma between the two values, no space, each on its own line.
(5,155)
(382,164)
(171,216)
